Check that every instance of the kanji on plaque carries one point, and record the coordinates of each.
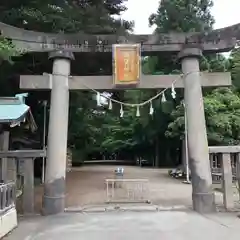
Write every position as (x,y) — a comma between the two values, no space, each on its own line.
(126,64)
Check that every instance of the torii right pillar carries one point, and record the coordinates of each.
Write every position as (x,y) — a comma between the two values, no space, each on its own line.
(202,193)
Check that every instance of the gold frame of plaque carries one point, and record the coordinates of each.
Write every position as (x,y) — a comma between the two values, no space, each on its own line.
(126,64)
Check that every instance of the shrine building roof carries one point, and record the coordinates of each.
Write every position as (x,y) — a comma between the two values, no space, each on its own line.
(13,110)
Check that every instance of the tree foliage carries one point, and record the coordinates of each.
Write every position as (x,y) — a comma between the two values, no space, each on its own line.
(64,16)
(8,50)
(183,16)
(222,112)
(61,16)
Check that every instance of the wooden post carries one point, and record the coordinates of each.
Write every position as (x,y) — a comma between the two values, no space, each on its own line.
(28,189)
(227,187)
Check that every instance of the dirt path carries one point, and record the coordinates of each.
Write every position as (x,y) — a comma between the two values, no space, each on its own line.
(89,185)
(86,186)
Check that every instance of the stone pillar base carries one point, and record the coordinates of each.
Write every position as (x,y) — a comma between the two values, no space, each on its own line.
(204,202)
(54,197)
(54,206)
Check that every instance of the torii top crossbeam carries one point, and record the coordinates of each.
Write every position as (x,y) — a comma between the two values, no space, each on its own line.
(220,40)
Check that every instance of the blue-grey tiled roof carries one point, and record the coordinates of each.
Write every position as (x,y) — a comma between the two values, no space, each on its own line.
(13,109)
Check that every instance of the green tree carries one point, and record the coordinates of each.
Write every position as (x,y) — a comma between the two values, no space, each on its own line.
(62,16)
(222,111)
(183,16)
(8,50)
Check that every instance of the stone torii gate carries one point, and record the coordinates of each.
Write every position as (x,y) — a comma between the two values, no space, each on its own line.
(61,48)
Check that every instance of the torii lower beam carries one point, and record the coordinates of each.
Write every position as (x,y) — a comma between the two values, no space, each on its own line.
(39,82)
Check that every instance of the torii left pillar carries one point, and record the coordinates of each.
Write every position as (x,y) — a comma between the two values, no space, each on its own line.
(54,187)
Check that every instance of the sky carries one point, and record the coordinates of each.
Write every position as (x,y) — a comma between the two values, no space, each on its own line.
(225,12)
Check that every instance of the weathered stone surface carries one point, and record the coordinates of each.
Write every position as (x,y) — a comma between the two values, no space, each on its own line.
(231,32)
(224,149)
(227,184)
(221,40)
(24,153)
(61,54)
(54,197)
(37,82)
(4,144)
(204,202)
(28,189)
(54,187)
(202,195)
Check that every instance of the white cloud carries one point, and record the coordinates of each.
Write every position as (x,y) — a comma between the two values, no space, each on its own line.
(226,12)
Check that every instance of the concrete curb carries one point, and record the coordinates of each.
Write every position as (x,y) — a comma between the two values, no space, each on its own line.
(142,208)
